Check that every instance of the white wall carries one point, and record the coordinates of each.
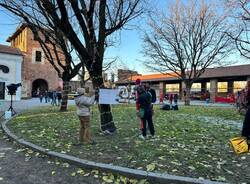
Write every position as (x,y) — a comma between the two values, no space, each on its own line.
(14,63)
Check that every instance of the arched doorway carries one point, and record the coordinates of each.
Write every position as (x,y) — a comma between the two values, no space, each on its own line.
(39,84)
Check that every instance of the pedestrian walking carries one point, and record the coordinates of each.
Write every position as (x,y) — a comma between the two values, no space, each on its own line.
(83,104)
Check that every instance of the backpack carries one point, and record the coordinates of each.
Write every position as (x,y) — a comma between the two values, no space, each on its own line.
(175,107)
(165,107)
(153,95)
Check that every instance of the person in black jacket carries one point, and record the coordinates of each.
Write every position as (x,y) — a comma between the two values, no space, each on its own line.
(246,124)
(151,91)
(145,102)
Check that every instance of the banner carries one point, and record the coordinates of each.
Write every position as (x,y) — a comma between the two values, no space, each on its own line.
(109,96)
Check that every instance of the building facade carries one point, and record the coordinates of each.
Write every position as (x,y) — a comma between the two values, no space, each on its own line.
(10,71)
(37,73)
(220,83)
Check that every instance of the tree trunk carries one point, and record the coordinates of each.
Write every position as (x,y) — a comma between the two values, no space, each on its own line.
(188,94)
(82,81)
(106,117)
(64,103)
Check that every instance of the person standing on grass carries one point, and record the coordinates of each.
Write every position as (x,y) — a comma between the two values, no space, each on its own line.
(145,112)
(137,95)
(83,103)
(246,124)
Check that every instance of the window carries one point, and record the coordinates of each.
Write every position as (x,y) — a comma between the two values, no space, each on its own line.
(239,85)
(170,88)
(208,86)
(196,87)
(38,56)
(46,39)
(35,37)
(222,87)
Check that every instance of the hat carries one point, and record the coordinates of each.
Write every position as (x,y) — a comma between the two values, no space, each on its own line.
(138,81)
(80,91)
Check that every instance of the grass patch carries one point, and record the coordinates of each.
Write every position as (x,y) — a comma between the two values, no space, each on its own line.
(186,144)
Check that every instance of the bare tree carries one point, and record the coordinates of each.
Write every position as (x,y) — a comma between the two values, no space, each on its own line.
(186,41)
(240,14)
(87,25)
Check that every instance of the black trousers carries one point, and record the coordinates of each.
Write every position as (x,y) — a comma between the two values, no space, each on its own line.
(246,125)
(148,120)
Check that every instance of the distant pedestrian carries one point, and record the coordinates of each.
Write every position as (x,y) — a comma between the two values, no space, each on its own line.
(83,104)
(171,97)
(46,96)
(53,102)
(175,99)
(59,97)
(40,93)
(246,124)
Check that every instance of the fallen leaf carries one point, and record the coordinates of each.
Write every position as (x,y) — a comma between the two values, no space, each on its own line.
(151,167)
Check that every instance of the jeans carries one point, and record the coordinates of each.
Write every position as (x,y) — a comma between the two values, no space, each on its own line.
(148,120)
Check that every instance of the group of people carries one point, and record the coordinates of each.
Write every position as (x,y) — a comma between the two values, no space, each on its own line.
(145,97)
(55,97)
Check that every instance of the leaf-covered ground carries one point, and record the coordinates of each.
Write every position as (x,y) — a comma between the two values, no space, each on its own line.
(193,141)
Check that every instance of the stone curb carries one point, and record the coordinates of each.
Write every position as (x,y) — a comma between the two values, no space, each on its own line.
(152,177)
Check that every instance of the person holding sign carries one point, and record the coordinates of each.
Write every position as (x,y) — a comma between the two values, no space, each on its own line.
(83,103)
(145,111)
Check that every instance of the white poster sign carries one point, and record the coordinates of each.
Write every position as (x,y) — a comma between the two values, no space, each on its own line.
(109,96)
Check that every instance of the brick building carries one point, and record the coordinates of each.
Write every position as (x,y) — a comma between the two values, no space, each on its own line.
(37,72)
(220,82)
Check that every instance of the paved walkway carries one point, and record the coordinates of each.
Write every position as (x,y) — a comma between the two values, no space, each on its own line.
(34,102)
(17,167)
(26,104)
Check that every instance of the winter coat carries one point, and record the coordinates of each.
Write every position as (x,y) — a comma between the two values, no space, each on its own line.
(83,104)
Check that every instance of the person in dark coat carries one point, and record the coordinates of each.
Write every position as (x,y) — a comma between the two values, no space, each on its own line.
(145,102)
(40,93)
(59,97)
(46,96)
(246,124)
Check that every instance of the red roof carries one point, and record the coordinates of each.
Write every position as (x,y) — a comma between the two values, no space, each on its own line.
(154,76)
(229,71)
(10,50)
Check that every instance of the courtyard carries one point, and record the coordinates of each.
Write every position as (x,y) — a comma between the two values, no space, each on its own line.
(193,141)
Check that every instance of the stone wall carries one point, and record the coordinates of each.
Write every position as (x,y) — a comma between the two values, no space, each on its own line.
(32,70)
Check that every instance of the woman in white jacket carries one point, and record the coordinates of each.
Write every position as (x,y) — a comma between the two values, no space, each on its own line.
(83,104)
